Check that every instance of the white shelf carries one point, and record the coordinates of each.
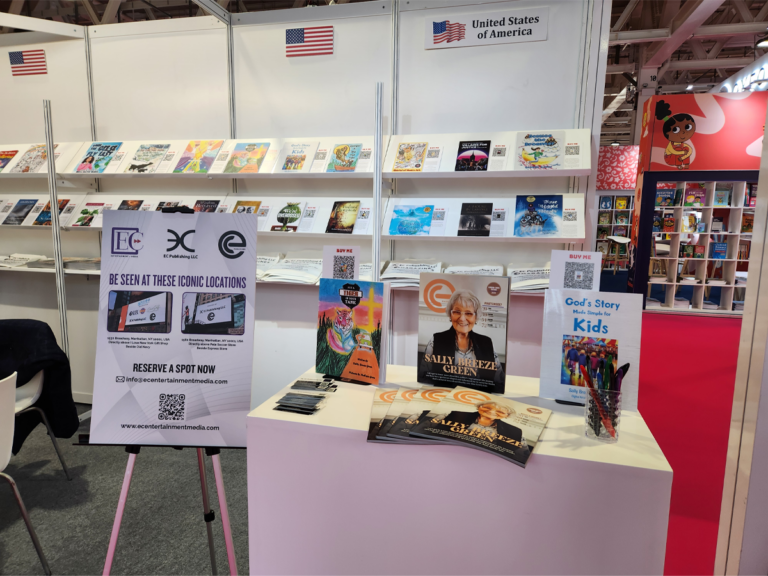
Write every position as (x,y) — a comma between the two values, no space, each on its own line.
(312,235)
(484,239)
(492,174)
(25,269)
(256,176)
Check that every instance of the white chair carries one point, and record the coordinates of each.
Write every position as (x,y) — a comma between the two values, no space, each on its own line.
(7,401)
(27,395)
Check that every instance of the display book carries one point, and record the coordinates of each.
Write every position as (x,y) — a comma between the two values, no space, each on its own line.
(614,218)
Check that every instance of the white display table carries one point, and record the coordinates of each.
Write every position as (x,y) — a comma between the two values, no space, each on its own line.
(322,500)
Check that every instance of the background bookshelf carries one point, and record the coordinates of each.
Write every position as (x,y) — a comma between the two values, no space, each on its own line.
(614,218)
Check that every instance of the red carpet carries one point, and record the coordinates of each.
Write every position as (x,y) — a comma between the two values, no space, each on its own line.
(688,368)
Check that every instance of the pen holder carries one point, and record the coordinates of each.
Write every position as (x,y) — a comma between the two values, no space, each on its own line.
(602,415)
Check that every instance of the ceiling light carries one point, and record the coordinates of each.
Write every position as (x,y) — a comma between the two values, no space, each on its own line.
(762,41)
(615,143)
(690,87)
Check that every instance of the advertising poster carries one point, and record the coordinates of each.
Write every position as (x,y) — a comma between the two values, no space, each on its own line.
(593,332)
(174,348)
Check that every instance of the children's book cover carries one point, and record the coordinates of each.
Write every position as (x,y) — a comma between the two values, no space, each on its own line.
(620,231)
(247,206)
(719,250)
(540,150)
(294,155)
(747,222)
(32,160)
(603,232)
(349,322)
(604,218)
(665,197)
(622,202)
(473,156)
(288,217)
(606,202)
(475,219)
(19,212)
(410,220)
(198,157)
(538,215)
(694,194)
(410,156)
(669,224)
(44,218)
(658,222)
(6,156)
(206,205)
(130,204)
(690,223)
(344,158)
(622,218)
(723,193)
(699,251)
(343,217)
(602,247)
(88,214)
(98,157)
(147,158)
(718,224)
(246,158)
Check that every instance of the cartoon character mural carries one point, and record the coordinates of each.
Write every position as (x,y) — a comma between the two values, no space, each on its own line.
(678,129)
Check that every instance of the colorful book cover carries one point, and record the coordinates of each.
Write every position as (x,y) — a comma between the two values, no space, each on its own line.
(606,202)
(382,400)
(620,231)
(669,224)
(44,218)
(723,193)
(32,160)
(747,223)
(288,217)
(98,157)
(604,218)
(411,220)
(88,213)
(6,156)
(198,157)
(161,205)
(603,232)
(130,204)
(147,158)
(658,222)
(699,251)
(473,156)
(349,334)
(538,215)
(603,247)
(247,206)
(459,313)
(247,158)
(344,158)
(718,224)
(690,223)
(423,401)
(343,217)
(694,196)
(665,197)
(622,202)
(410,156)
(540,150)
(686,250)
(294,155)
(701,227)
(19,212)
(475,219)
(403,397)
(622,218)
(206,205)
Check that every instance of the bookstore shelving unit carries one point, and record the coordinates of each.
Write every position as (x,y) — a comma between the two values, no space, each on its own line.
(614,218)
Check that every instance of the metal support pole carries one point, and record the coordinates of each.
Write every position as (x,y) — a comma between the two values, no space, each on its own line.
(61,295)
(377,181)
(395,71)
(208,514)
(89,76)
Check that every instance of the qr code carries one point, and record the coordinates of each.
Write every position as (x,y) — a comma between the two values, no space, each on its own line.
(433,153)
(344,267)
(38,208)
(578,275)
(499,216)
(171,407)
(571,150)
(499,152)
(438,215)
(169,156)
(320,155)
(364,215)
(223,156)
(365,155)
(309,213)
(570,216)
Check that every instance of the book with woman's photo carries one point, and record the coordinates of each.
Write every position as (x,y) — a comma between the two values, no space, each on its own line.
(491,423)
(463,331)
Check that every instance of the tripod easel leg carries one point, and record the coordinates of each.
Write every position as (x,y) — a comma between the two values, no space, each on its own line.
(214,454)
(208,514)
(132,452)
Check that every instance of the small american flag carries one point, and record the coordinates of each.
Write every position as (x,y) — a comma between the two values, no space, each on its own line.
(28,62)
(309,41)
(447,32)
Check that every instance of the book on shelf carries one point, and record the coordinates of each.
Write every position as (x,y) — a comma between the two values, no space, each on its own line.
(33,160)
(494,424)
(744,249)
(288,217)
(718,224)
(603,232)
(723,194)
(198,157)
(83,264)
(699,251)
(351,330)
(206,205)
(606,202)
(669,224)
(738,305)
(690,223)
(718,250)
(622,202)
(294,156)
(622,218)
(476,269)
(410,156)
(538,216)
(19,212)
(688,279)
(344,158)
(6,156)
(146,158)
(620,231)
(130,204)
(716,282)
(19,260)
(44,218)
(97,157)
(343,217)
(475,219)
(411,220)
(303,267)
(686,250)
(602,247)
(658,222)
(246,158)
(747,222)
(709,305)
(694,196)
(652,303)
(406,272)
(665,197)
(604,218)
(750,195)
(528,277)
(473,156)
(701,227)
(264,262)
(679,194)
(681,302)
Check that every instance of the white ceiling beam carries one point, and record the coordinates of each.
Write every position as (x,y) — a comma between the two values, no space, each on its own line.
(40,25)
(671,7)
(91,12)
(614,105)
(744,13)
(216,9)
(717,48)
(697,48)
(691,16)
(15,8)
(620,68)
(707,64)
(615,130)
(110,12)
(625,15)
(712,31)
(761,15)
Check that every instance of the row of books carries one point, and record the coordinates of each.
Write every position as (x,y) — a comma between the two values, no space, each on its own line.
(691,223)
(694,194)
(40,261)
(615,202)
(619,218)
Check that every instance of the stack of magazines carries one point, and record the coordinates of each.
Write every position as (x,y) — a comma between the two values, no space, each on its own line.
(302,267)
(406,272)
(82,264)
(476,270)
(528,277)
(459,416)
(19,260)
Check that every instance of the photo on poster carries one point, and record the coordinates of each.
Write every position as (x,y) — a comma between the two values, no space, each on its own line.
(475,219)
(19,212)
(247,206)
(6,156)
(247,158)
(44,218)
(139,311)
(147,158)
(210,313)
(463,330)
(473,156)
(410,156)
(410,220)
(540,150)
(198,156)
(537,216)
(344,158)
(595,355)
(32,160)
(206,205)
(98,157)
(130,204)
(343,217)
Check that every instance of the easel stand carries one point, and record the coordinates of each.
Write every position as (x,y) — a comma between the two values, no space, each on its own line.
(208,514)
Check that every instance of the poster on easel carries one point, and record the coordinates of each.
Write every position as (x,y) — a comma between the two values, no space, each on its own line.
(174,351)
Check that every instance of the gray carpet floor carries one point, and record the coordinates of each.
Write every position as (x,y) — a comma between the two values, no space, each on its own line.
(163,531)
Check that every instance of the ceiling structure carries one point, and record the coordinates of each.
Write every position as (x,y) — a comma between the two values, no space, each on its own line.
(655,46)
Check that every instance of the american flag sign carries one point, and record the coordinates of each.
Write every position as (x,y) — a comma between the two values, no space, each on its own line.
(446,32)
(311,41)
(28,62)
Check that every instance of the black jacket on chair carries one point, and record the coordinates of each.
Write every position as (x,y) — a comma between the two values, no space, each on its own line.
(26,347)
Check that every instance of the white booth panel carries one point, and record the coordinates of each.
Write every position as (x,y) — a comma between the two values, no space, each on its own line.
(163,79)
(324,95)
(65,85)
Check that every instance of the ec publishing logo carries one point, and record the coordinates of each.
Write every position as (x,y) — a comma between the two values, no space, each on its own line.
(178,241)
(127,241)
(437,293)
(232,244)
